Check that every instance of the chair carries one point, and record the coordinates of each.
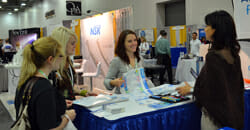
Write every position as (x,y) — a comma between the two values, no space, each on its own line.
(81,70)
(94,74)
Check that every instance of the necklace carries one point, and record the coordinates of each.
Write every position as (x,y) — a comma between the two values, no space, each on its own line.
(45,76)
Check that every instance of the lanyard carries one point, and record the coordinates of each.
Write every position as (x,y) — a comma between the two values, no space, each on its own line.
(71,76)
(43,74)
(129,66)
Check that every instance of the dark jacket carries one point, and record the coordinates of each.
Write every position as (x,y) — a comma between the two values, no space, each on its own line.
(220,90)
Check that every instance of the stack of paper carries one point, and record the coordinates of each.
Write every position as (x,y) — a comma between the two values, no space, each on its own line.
(93,101)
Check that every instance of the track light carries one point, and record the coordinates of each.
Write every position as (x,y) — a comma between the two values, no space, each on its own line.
(89,11)
(23,4)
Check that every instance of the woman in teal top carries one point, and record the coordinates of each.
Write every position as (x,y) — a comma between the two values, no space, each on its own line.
(127,58)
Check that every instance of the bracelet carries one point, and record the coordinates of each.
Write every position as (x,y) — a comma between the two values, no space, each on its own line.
(67,117)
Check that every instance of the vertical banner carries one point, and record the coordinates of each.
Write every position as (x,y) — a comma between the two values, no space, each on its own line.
(202,33)
(75,26)
(242,18)
(98,44)
(178,35)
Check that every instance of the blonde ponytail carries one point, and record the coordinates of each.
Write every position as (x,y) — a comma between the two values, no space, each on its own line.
(35,56)
(28,67)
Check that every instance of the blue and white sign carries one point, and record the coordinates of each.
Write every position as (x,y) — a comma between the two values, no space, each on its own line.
(148,34)
(95,30)
(242,18)
(202,33)
(142,33)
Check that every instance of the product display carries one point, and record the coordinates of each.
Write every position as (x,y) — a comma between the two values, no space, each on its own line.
(170,98)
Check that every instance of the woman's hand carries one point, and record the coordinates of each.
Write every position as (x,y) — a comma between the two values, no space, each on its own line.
(184,90)
(68,103)
(71,113)
(78,97)
(117,82)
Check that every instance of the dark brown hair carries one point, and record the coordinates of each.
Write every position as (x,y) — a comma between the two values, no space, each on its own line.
(120,49)
(225,35)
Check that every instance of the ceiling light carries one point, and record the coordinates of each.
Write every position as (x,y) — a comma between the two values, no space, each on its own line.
(9,13)
(23,4)
(4,1)
(15,9)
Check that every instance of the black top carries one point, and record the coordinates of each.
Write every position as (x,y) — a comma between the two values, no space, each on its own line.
(220,90)
(64,85)
(46,105)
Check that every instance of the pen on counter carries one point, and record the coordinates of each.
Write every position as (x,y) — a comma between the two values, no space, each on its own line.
(158,97)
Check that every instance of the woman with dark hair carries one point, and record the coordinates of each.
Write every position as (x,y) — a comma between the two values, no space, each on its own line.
(219,89)
(127,58)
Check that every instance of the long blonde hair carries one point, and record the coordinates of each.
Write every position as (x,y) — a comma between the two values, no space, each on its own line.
(63,35)
(35,55)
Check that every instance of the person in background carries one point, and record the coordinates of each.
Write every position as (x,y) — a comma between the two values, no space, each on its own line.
(7,49)
(138,41)
(203,40)
(219,88)
(1,51)
(195,45)
(65,78)
(144,47)
(127,58)
(47,107)
(162,50)
(161,32)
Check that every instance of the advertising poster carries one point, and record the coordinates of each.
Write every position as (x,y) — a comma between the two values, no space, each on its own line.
(242,18)
(97,38)
(20,38)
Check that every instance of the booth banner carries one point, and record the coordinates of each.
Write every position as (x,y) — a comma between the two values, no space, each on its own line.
(202,34)
(148,34)
(97,38)
(245,58)
(22,37)
(242,18)
(178,35)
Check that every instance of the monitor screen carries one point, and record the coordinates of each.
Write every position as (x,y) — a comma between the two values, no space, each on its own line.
(22,40)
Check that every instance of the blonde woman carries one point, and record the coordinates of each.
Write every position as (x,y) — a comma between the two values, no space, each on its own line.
(47,107)
(66,73)
(144,46)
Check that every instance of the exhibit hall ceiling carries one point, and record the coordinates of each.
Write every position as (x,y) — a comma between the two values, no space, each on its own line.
(16,5)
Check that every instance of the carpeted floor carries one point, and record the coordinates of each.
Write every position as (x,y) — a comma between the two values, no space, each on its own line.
(5,119)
